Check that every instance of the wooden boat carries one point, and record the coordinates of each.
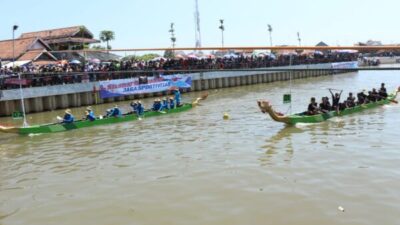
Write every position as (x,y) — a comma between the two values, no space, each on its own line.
(266,107)
(59,127)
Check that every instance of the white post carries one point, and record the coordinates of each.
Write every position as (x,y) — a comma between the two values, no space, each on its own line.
(25,123)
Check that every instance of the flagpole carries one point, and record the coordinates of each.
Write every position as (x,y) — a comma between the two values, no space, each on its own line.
(25,123)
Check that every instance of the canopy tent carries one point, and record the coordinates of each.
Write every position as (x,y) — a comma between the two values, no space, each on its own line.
(95,61)
(74,62)
(230,55)
(17,63)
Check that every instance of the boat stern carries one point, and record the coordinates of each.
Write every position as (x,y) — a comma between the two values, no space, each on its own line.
(13,130)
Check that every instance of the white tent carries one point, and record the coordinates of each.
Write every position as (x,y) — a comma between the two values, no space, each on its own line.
(17,63)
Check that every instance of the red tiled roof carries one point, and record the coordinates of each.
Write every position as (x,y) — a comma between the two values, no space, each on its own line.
(73,40)
(56,33)
(21,46)
(34,54)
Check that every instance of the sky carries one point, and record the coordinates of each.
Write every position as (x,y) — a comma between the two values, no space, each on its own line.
(145,23)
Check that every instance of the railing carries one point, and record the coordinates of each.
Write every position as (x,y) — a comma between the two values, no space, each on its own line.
(59,78)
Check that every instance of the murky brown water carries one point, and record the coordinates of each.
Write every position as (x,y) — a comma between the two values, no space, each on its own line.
(195,168)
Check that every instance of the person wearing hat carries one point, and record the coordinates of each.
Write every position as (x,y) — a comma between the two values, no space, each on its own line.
(156,104)
(177,95)
(68,117)
(164,104)
(140,109)
(90,114)
(116,112)
(171,103)
(134,106)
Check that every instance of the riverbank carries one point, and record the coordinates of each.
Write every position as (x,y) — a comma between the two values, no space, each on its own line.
(48,98)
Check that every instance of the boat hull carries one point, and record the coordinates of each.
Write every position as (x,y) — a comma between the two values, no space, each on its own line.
(53,128)
(266,107)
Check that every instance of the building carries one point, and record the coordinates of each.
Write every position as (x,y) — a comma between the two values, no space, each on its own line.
(69,38)
(26,50)
(40,47)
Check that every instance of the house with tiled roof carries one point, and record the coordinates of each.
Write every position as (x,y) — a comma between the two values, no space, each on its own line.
(27,49)
(68,38)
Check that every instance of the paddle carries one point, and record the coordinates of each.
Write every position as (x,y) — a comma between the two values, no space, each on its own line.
(60,118)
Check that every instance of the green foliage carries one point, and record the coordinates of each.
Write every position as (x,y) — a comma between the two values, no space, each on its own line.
(146,57)
(98,47)
(169,54)
(107,36)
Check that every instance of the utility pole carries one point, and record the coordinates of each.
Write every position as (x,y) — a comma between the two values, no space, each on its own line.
(298,38)
(270,34)
(173,38)
(222,28)
(197,25)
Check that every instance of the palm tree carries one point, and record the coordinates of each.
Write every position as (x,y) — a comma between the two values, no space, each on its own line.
(107,36)
(222,28)
(270,34)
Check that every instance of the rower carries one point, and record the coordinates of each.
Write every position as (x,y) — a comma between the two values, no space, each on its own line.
(134,106)
(156,104)
(90,114)
(139,109)
(351,101)
(68,117)
(376,95)
(335,99)
(171,103)
(312,107)
(382,91)
(116,112)
(177,95)
(325,105)
(362,97)
(164,104)
(371,97)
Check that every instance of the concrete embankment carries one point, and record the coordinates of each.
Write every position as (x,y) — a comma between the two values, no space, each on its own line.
(39,99)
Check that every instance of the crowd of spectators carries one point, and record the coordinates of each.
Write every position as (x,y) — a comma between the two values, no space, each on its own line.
(65,73)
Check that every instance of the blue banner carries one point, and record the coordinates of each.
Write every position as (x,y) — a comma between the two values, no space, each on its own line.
(142,85)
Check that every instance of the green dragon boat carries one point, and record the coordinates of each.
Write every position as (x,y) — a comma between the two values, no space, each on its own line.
(266,107)
(59,127)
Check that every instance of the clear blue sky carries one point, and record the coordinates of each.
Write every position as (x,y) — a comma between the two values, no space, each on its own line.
(145,23)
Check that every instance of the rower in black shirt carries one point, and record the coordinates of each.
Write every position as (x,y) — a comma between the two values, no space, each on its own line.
(376,95)
(351,101)
(371,97)
(312,107)
(325,105)
(362,97)
(382,91)
(335,99)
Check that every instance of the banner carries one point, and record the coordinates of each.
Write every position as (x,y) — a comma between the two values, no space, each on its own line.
(345,65)
(142,85)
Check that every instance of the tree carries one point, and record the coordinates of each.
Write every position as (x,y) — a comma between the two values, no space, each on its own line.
(107,36)
(98,47)
(169,54)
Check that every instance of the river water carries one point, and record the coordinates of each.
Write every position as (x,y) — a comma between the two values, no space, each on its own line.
(196,168)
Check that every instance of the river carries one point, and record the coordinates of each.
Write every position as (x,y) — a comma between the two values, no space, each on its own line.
(196,168)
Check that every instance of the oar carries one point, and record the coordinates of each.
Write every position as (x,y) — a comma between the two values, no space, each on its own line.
(394,101)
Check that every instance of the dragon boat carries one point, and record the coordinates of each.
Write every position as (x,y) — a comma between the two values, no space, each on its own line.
(266,107)
(59,127)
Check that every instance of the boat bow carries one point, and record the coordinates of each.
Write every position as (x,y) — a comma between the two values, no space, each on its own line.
(266,107)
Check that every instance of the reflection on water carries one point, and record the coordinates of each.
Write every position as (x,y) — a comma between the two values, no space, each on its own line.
(246,170)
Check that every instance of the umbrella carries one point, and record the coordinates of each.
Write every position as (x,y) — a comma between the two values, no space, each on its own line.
(75,61)
(96,61)
(192,56)
(231,55)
